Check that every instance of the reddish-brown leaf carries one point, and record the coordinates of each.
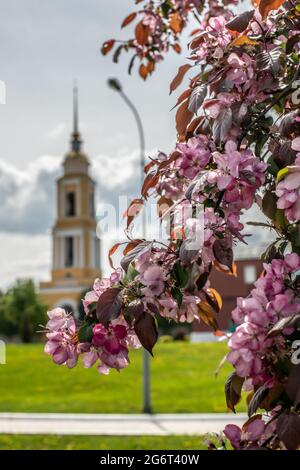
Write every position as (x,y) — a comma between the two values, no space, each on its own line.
(177,48)
(183,118)
(196,42)
(265,6)
(179,77)
(109,305)
(239,23)
(149,182)
(223,269)
(288,429)
(111,252)
(131,245)
(143,71)
(206,315)
(135,309)
(183,97)
(146,331)
(243,40)
(128,19)
(194,124)
(149,166)
(216,299)
(223,252)
(107,46)
(176,22)
(292,385)
(163,205)
(133,210)
(141,33)
(136,251)
(150,66)
(170,160)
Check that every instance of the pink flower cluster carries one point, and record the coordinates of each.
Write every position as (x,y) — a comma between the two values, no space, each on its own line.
(109,347)
(239,173)
(155,277)
(253,434)
(270,300)
(288,189)
(100,286)
(195,155)
(62,340)
(213,41)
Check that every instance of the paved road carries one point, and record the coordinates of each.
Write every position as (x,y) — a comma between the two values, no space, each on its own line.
(117,425)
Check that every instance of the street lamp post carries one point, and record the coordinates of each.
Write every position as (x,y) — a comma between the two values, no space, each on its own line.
(116,85)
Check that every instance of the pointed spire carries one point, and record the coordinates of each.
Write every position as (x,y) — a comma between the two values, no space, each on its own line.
(75,142)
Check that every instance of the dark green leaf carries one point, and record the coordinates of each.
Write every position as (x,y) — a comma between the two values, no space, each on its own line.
(177,295)
(257,399)
(233,389)
(85,333)
(180,275)
(269,204)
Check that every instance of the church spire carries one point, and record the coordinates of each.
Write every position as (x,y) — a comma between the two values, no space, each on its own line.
(75,141)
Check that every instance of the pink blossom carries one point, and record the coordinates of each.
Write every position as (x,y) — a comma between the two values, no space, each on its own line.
(62,341)
(100,285)
(241,70)
(194,158)
(288,192)
(296,144)
(154,279)
(111,339)
(268,302)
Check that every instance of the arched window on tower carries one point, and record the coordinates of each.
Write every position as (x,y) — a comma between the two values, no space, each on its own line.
(70,204)
(69,252)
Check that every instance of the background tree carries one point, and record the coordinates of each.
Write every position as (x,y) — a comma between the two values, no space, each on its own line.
(21,311)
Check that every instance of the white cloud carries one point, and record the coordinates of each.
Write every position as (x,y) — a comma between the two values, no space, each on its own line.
(24,256)
(27,197)
(57,131)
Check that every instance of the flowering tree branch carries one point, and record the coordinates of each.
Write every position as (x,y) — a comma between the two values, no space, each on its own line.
(238,145)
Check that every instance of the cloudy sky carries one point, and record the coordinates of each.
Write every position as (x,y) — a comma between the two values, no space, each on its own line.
(44,47)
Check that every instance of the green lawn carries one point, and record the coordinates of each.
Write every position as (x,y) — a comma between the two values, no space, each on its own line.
(182,381)
(21,442)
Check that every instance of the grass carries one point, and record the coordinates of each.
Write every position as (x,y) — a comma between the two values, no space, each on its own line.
(182,381)
(38,442)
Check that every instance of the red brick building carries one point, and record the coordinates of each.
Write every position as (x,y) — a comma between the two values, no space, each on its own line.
(230,287)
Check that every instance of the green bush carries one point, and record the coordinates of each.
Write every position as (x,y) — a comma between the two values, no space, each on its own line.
(21,311)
